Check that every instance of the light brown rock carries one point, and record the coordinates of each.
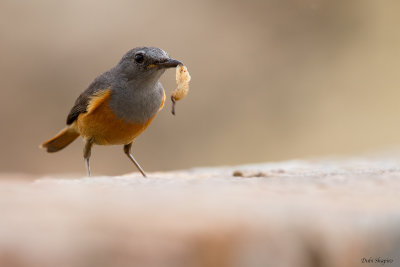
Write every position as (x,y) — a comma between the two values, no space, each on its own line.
(296,213)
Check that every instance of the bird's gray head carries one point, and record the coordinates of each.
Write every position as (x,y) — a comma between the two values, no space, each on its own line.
(145,64)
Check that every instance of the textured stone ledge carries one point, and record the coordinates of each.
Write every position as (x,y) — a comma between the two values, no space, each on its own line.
(295,213)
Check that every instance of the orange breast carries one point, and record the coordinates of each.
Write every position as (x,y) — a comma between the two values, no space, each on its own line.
(102,126)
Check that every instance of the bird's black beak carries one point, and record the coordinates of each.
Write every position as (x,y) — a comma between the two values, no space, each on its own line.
(169,63)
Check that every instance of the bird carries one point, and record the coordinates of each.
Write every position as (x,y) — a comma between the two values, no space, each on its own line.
(118,105)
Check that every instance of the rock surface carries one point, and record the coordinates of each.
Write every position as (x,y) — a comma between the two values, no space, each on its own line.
(297,213)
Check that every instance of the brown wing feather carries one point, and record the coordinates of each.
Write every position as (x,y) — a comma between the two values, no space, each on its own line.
(83,101)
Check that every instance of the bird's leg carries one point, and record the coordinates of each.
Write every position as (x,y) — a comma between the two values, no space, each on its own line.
(86,154)
(127,150)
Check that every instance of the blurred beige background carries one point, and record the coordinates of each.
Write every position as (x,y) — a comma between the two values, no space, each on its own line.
(271,80)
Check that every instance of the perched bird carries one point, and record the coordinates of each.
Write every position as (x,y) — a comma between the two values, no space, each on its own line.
(118,105)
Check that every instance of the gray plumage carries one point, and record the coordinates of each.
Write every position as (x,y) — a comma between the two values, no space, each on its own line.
(135,97)
(136,90)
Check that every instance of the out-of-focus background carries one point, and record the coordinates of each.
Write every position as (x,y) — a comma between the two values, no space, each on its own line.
(271,80)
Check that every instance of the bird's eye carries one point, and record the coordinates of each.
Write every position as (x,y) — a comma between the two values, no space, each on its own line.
(139,58)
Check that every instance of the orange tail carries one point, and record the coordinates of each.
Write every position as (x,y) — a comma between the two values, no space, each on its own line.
(61,140)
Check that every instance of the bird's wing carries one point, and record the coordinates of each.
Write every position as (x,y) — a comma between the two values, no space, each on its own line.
(89,100)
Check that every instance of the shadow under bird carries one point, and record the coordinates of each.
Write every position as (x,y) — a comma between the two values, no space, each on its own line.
(118,105)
